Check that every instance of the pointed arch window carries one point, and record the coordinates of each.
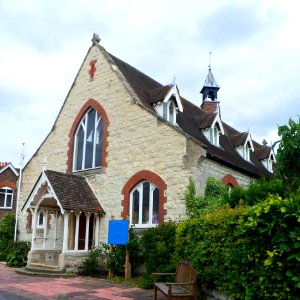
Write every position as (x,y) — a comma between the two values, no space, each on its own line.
(40,220)
(88,142)
(144,205)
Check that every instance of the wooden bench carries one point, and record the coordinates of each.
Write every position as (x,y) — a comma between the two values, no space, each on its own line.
(185,285)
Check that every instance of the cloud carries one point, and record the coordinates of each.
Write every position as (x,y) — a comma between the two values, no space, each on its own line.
(255,57)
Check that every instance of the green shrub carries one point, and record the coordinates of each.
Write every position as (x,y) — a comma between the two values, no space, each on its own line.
(264,251)
(159,248)
(201,241)
(193,202)
(237,195)
(146,281)
(215,195)
(214,188)
(116,259)
(257,192)
(17,256)
(7,227)
(248,252)
(96,260)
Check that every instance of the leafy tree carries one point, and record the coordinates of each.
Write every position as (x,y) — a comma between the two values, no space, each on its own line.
(288,154)
(7,226)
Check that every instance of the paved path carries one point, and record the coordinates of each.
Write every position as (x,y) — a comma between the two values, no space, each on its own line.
(16,286)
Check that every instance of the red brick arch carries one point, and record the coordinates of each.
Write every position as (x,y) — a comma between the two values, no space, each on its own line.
(133,181)
(8,184)
(91,103)
(229,180)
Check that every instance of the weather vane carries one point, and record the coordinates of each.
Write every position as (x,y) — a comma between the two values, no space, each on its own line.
(209,66)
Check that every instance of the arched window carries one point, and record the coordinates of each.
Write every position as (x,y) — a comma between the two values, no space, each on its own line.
(144,205)
(40,219)
(6,197)
(88,142)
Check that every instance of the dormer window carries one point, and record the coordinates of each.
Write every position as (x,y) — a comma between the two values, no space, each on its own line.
(214,135)
(246,152)
(171,112)
(244,149)
(167,102)
(268,163)
(213,132)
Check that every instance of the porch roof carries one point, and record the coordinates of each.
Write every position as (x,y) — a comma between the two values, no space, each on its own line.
(73,192)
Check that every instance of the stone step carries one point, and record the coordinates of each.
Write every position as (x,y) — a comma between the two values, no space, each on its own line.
(43,266)
(43,272)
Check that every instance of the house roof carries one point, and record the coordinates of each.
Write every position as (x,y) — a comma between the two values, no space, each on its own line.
(71,191)
(193,119)
(5,166)
(262,151)
(159,94)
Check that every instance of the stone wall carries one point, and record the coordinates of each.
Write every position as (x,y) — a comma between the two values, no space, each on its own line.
(209,168)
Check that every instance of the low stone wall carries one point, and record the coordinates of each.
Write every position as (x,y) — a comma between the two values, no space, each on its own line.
(71,261)
(49,257)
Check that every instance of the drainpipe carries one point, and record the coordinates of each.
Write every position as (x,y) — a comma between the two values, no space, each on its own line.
(19,190)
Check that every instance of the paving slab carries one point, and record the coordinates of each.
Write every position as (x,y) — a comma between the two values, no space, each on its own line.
(21,287)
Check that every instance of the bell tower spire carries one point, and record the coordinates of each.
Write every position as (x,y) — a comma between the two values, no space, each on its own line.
(210,87)
(210,90)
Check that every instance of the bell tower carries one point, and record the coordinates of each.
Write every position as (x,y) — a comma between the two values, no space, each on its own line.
(209,92)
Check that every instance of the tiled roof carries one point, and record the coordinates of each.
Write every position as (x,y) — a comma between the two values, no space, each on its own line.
(238,139)
(205,120)
(193,119)
(74,192)
(159,94)
(262,152)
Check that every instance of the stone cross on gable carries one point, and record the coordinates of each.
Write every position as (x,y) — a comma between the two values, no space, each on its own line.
(96,39)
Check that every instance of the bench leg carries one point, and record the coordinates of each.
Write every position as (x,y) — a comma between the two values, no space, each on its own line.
(155,293)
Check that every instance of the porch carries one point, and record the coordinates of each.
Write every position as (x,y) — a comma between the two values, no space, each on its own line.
(65,221)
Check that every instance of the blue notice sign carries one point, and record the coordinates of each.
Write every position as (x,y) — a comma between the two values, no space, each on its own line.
(118,232)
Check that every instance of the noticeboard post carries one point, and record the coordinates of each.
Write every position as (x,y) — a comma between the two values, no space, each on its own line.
(118,235)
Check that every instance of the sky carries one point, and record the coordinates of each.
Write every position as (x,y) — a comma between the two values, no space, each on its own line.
(255,49)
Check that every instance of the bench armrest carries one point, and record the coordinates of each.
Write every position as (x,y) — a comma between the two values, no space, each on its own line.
(180,283)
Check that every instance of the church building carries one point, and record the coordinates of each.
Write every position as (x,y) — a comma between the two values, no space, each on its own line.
(125,146)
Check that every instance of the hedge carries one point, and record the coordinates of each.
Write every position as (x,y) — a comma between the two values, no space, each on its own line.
(247,252)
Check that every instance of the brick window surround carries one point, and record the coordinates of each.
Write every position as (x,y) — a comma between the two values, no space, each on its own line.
(91,103)
(133,181)
(229,180)
(8,184)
